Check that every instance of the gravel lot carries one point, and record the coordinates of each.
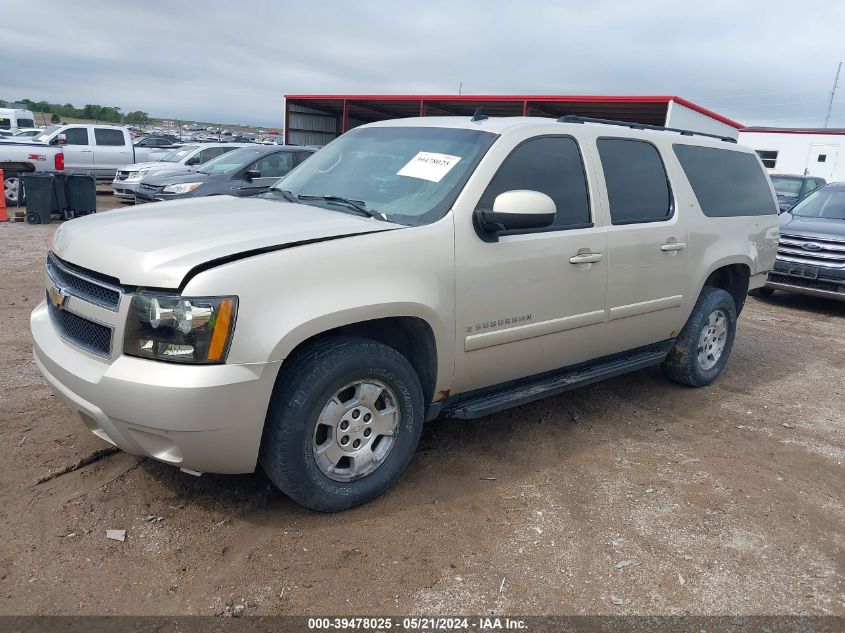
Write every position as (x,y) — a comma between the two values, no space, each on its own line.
(635,496)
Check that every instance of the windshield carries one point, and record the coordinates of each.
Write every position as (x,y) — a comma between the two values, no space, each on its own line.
(787,187)
(47,133)
(232,161)
(178,154)
(411,175)
(825,203)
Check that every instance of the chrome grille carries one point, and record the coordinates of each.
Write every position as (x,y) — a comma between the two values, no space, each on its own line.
(77,283)
(812,250)
(93,337)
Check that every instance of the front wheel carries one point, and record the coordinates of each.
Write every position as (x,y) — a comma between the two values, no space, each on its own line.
(704,344)
(343,423)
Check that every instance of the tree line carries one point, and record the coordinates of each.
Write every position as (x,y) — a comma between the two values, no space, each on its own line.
(107,114)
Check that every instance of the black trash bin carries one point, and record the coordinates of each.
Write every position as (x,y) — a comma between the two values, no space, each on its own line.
(45,195)
(81,194)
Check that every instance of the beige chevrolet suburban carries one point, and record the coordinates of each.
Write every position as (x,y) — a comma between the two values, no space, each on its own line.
(410,269)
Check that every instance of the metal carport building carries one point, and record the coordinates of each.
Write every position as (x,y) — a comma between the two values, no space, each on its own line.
(317,119)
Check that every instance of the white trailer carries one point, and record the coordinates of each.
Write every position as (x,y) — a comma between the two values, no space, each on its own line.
(805,152)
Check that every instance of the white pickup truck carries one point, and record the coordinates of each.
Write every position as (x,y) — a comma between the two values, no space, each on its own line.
(97,150)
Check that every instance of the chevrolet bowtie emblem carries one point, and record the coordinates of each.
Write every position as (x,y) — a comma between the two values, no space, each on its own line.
(58,297)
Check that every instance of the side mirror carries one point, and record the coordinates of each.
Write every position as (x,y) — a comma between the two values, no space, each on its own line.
(517,210)
(249,174)
(193,160)
(61,139)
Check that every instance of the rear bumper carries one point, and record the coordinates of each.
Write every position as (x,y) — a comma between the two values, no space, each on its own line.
(201,418)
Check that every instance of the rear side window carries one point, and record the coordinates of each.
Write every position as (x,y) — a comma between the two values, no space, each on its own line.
(727,183)
(551,165)
(26,123)
(637,185)
(76,136)
(105,136)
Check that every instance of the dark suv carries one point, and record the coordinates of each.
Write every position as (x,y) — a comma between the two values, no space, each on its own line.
(791,189)
(811,252)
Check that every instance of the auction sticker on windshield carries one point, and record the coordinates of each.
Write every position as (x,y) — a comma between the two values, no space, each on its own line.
(429,166)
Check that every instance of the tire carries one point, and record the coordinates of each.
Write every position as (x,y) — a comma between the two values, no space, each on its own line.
(710,328)
(323,382)
(13,190)
(763,293)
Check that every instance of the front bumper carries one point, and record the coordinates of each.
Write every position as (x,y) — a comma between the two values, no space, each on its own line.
(205,418)
(829,284)
(125,189)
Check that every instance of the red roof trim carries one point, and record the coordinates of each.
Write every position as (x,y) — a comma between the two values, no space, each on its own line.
(788,131)
(706,112)
(549,98)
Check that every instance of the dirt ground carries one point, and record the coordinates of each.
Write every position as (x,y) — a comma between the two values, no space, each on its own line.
(635,496)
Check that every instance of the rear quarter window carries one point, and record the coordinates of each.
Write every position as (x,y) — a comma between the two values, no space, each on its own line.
(727,183)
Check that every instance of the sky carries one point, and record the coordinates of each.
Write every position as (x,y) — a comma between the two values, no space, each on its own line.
(759,63)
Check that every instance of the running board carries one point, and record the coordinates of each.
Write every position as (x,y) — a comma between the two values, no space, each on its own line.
(554,383)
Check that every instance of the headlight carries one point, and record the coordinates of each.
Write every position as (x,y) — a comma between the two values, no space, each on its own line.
(185,187)
(180,329)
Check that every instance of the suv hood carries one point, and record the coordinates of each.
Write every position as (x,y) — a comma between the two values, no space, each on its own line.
(154,164)
(157,245)
(161,178)
(812,227)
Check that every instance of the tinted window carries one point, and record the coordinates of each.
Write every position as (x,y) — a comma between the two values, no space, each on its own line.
(104,136)
(213,152)
(5,123)
(769,157)
(76,136)
(637,186)
(551,165)
(274,165)
(726,182)
(26,123)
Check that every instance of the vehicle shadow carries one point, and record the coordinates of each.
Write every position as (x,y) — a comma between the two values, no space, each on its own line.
(828,307)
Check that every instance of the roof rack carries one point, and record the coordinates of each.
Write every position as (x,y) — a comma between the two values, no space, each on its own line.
(574,118)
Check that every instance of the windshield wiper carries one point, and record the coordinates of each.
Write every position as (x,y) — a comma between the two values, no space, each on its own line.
(287,195)
(359,205)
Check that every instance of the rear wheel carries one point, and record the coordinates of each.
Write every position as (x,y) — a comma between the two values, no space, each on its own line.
(343,423)
(13,190)
(705,343)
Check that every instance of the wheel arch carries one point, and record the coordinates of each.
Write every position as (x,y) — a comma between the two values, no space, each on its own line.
(731,275)
(409,334)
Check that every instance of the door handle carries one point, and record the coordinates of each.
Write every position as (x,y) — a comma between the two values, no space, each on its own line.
(86,151)
(670,247)
(585,258)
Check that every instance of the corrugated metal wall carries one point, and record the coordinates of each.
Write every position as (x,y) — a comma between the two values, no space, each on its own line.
(307,126)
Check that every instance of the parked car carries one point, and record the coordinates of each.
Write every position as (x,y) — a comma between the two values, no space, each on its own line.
(92,149)
(128,177)
(157,142)
(410,269)
(247,171)
(18,158)
(14,119)
(30,132)
(811,250)
(790,189)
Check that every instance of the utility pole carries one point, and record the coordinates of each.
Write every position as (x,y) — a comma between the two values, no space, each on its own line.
(461,88)
(832,94)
